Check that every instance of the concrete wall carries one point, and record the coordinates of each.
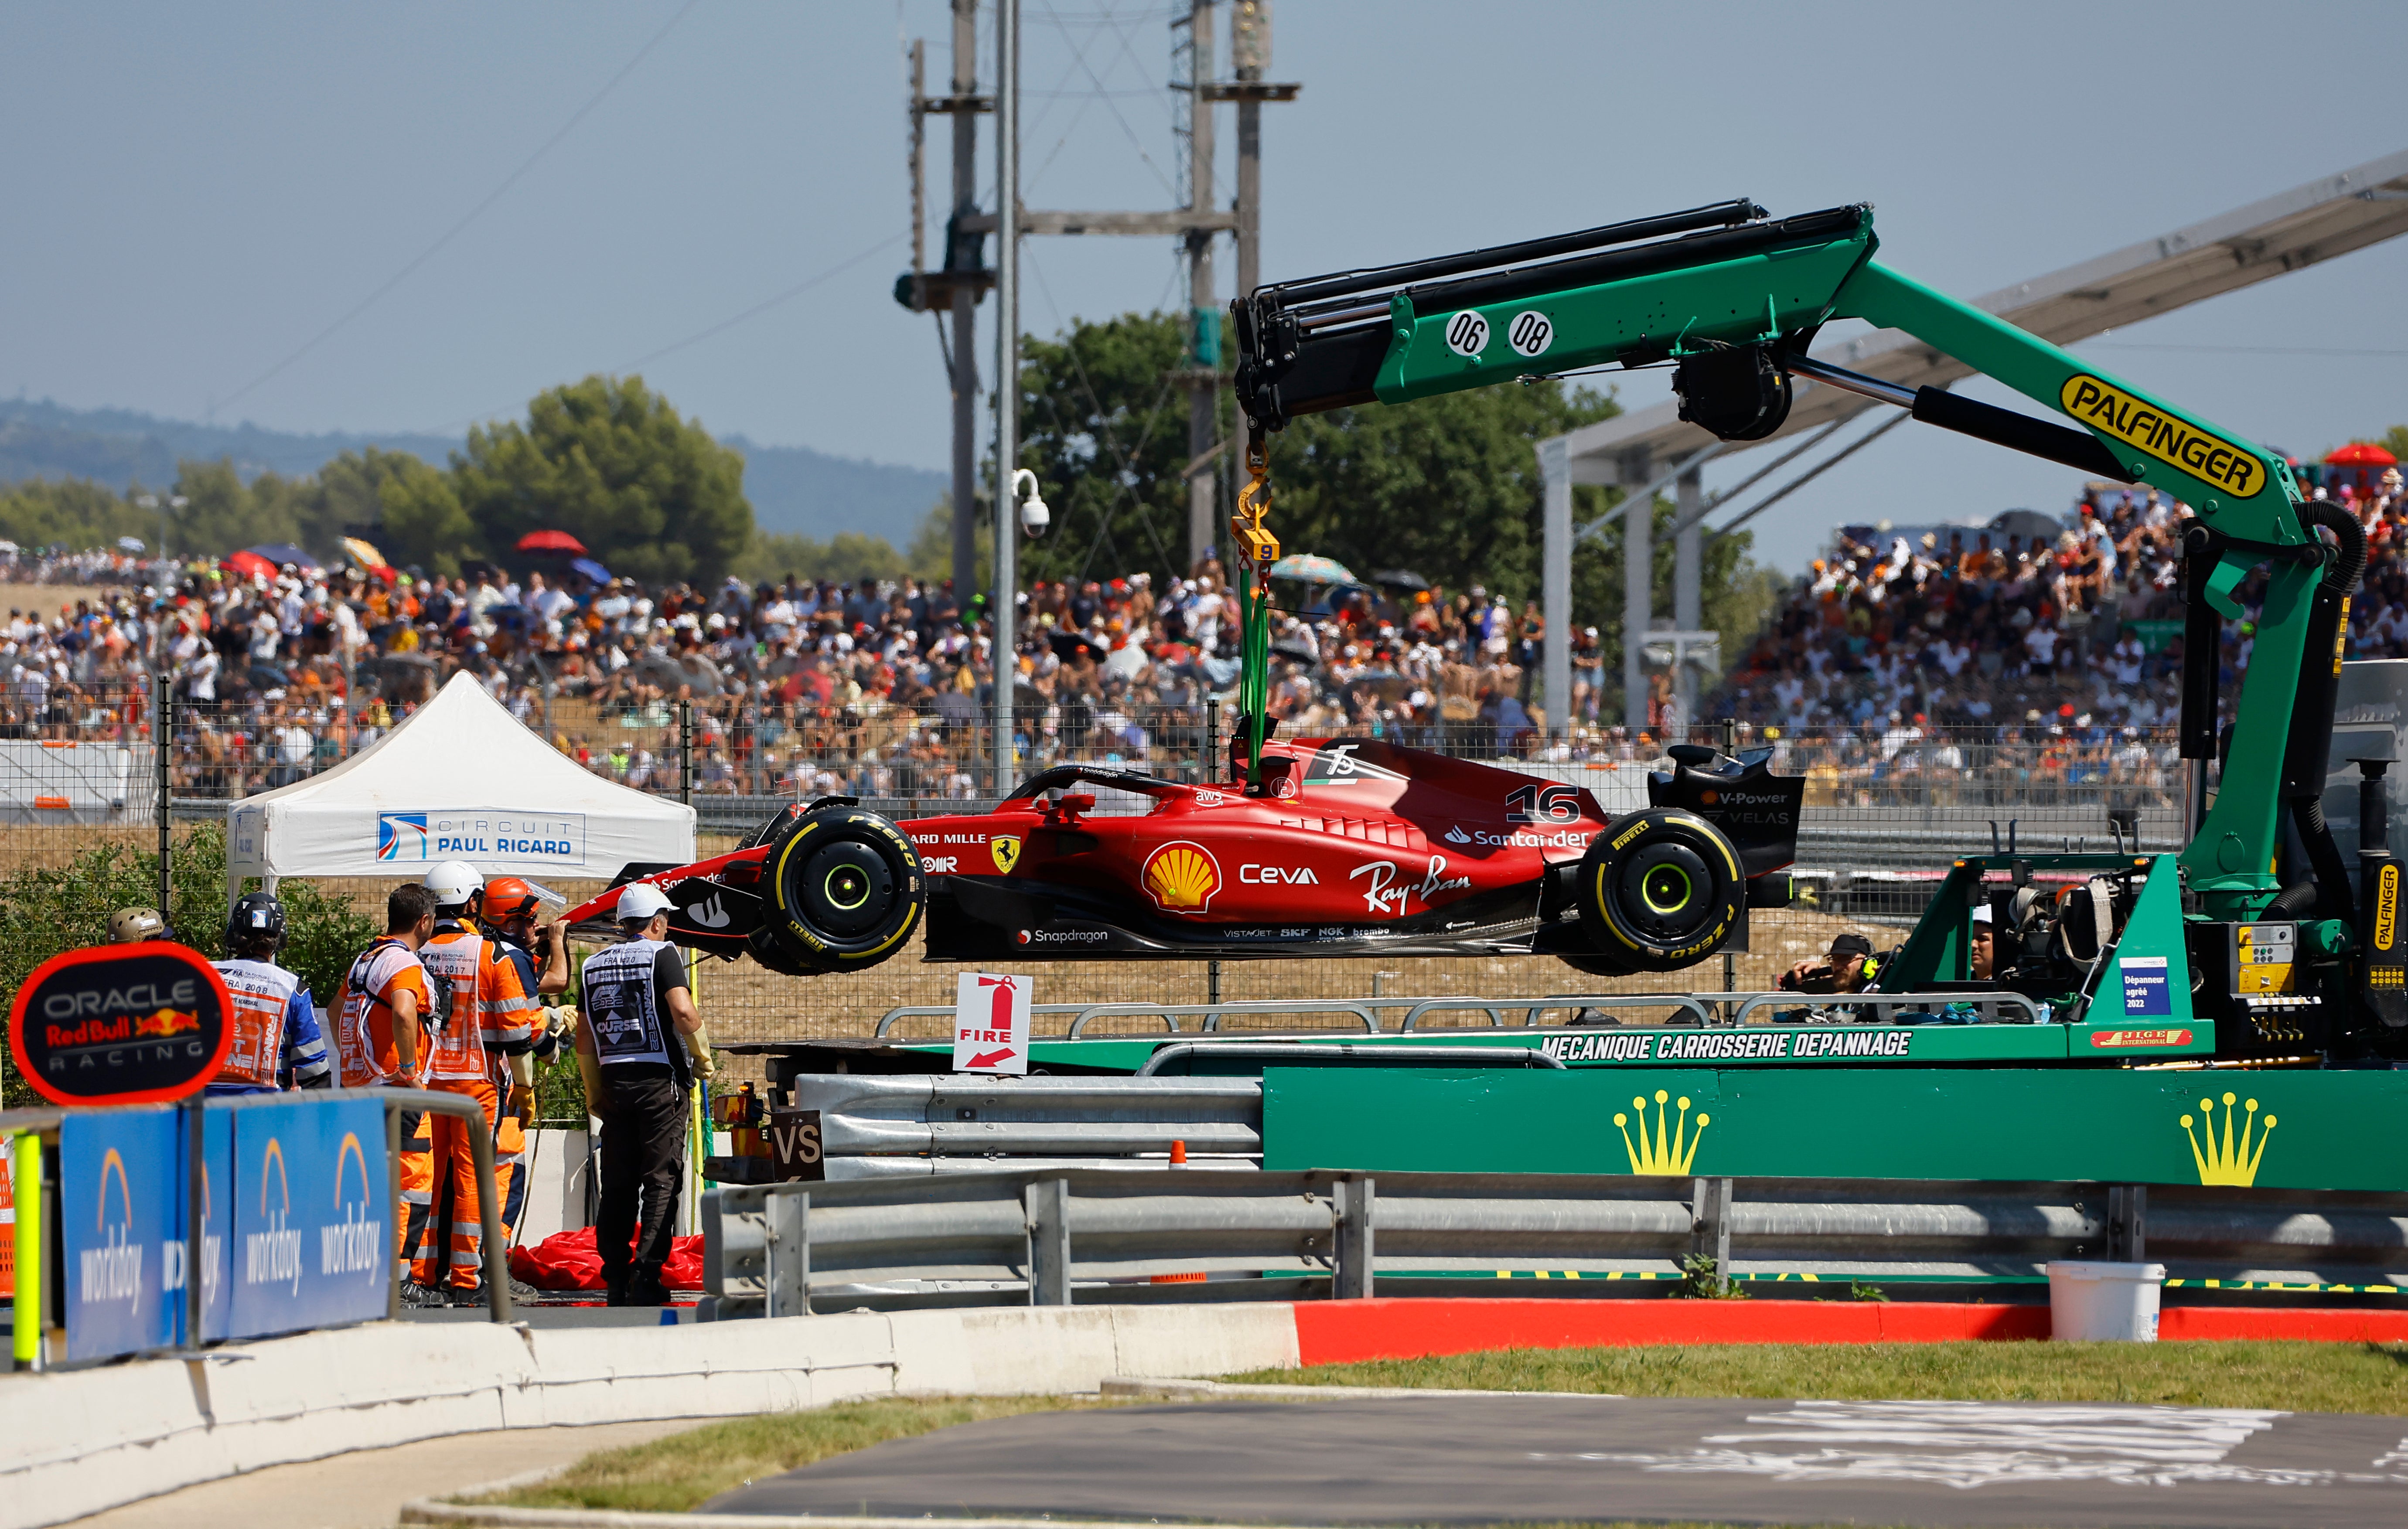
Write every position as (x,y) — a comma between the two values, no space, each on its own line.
(77,1442)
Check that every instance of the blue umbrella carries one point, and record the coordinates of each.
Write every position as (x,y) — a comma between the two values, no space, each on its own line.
(591,569)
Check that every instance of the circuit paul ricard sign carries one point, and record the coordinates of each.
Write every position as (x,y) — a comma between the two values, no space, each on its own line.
(141,1023)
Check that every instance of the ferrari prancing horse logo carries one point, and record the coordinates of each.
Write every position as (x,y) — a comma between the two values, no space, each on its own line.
(1005,849)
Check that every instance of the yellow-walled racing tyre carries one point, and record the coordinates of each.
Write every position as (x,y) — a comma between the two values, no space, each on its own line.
(845,888)
(1660,889)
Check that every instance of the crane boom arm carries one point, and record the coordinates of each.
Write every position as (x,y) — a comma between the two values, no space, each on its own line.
(1733,299)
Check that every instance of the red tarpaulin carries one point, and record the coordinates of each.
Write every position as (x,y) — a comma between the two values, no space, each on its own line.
(569,1261)
(552,542)
(2359,453)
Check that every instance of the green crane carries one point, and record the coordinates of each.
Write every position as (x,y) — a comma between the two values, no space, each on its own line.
(1733,299)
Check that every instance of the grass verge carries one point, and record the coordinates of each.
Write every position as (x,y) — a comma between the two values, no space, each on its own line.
(2294,1377)
(680,1473)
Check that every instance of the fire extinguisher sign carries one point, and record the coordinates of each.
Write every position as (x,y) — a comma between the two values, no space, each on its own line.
(991,1023)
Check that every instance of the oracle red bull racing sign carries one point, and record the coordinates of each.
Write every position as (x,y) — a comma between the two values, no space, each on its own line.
(121,1024)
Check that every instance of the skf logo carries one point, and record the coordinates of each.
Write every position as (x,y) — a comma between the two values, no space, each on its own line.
(2102,405)
(401,836)
(2386,908)
(1005,847)
(1182,877)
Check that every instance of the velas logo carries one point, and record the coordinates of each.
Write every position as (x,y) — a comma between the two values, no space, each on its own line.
(272,1255)
(1673,1146)
(352,1244)
(401,836)
(2211,458)
(1182,877)
(111,1272)
(2225,1162)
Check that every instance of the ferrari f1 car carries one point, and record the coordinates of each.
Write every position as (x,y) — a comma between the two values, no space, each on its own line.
(1345,848)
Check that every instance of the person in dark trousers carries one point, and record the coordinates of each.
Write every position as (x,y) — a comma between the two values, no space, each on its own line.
(640,1048)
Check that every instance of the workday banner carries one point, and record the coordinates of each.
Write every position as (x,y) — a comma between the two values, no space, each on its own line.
(313,1215)
(121,1207)
(300,1221)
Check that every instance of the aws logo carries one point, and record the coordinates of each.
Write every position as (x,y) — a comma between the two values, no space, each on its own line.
(272,1256)
(351,1243)
(111,1272)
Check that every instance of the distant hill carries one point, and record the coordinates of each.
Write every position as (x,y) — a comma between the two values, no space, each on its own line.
(793,488)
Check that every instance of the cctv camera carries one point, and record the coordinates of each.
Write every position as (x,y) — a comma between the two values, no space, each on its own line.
(1034,515)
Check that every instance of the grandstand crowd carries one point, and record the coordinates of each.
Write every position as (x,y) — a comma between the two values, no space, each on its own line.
(2057,639)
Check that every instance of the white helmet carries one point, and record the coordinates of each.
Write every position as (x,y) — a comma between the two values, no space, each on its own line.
(454,882)
(640,902)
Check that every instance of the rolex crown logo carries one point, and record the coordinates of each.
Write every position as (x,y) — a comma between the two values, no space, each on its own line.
(2219,1161)
(1672,1147)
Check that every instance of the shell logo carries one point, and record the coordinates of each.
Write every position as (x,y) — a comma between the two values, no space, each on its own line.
(1182,877)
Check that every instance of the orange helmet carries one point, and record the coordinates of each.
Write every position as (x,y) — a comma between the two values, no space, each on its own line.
(508,899)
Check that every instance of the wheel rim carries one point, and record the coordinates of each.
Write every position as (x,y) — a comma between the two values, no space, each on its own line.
(1665,891)
(846,889)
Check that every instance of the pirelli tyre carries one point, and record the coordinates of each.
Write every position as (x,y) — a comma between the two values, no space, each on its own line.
(844,889)
(1660,890)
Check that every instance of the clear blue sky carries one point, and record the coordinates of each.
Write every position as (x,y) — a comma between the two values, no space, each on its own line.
(194,192)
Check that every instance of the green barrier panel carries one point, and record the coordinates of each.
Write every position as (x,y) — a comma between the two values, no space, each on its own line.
(2276,1129)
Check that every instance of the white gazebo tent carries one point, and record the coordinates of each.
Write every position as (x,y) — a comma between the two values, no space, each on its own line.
(461,780)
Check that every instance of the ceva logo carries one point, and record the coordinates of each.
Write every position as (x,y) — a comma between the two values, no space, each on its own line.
(401,836)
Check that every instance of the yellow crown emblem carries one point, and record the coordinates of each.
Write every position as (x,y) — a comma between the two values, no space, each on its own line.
(2219,1162)
(1182,877)
(1671,1149)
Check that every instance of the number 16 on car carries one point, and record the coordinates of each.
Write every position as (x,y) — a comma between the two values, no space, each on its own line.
(991,1023)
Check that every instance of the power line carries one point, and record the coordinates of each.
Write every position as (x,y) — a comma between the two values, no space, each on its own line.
(724,324)
(454,231)
(2245,350)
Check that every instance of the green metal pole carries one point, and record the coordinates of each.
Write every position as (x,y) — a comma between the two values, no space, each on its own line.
(25,1185)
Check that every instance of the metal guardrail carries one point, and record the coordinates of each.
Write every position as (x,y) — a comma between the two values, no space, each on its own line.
(1880,1003)
(1049,1237)
(1697,1007)
(916,1125)
(1532,1007)
(1099,1236)
(1278,1050)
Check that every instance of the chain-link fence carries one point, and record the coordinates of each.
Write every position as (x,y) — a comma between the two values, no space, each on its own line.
(1887,806)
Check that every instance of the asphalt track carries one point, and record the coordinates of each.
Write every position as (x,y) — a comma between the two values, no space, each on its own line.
(1542,1459)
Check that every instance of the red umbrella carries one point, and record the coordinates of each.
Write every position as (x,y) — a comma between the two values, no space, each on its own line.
(2359,453)
(248,564)
(552,542)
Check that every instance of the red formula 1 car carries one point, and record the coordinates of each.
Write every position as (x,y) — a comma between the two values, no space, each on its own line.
(1350,848)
